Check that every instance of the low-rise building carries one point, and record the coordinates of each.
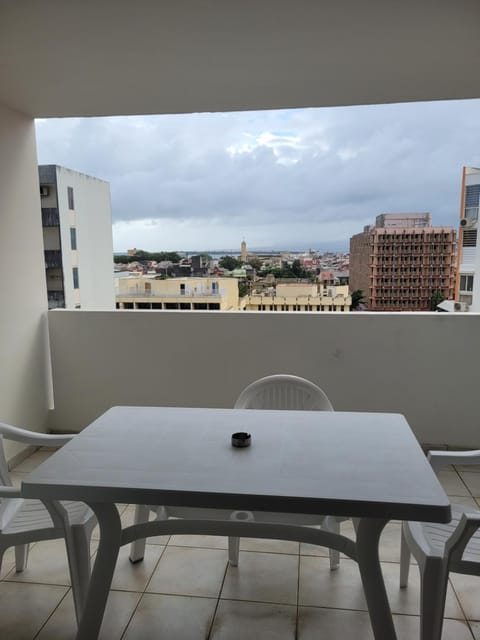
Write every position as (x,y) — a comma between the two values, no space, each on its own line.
(207,294)
(299,297)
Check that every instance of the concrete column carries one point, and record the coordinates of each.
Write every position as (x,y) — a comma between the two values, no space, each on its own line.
(24,368)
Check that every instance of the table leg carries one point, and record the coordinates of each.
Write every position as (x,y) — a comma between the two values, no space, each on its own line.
(368,536)
(105,561)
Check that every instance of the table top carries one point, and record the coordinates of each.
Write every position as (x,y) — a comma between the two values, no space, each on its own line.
(340,463)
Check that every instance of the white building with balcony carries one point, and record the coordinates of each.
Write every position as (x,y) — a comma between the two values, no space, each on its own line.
(468,271)
(77,239)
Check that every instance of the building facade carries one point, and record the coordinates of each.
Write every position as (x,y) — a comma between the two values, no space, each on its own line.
(77,239)
(299,297)
(187,294)
(406,268)
(467,292)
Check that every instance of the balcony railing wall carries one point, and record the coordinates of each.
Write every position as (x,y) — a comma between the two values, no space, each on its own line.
(422,365)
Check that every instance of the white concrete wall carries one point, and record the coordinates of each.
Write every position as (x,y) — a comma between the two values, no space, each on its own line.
(23,335)
(422,365)
(93,220)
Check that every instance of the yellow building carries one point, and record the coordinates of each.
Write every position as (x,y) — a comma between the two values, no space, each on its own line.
(211,294)
(299,297)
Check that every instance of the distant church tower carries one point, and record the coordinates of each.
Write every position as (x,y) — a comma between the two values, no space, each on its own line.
(243,251)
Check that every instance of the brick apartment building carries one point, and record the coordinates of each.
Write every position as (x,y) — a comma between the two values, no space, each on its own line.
(403,263)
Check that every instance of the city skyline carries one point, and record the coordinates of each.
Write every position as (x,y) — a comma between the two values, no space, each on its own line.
(290,179)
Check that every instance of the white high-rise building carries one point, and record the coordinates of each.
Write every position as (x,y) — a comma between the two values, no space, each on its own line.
(77,239)
(468,271)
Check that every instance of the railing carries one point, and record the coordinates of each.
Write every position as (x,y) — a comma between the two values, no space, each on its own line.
(391,362)
(56,299)
(183,296)
(53,259)
(50,217)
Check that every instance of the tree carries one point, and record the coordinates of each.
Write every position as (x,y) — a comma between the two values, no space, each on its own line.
(436,299)
(242,288)
(358,298)
(255,263)
(229,263)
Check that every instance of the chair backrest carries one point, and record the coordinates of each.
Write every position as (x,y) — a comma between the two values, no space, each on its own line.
(282,391)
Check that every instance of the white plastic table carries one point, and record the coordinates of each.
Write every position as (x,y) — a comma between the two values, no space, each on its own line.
(365,465)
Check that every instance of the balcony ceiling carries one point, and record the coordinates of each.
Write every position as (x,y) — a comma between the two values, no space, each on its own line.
(113,57)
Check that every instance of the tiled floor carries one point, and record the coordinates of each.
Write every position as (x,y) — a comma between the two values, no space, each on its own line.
(185,589)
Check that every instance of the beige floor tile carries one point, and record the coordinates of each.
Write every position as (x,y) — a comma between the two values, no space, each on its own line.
(453,484)
(468,502)
(17,477)
(235,620)
(189,571)
(470,468)
(33,461)
(472,480)
(315,623)
(467,589)
(262,577)
(135,577)
(269,546)
(343,588)
(172,618)
(47,564)
(408,628)
(205,542)
(475,627)
(8,562)
(120,607)
(24,608)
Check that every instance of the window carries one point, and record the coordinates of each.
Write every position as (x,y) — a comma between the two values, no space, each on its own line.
(215,287)
(70,198)
(466,283)
(182,289)
(76,284)
(73,238)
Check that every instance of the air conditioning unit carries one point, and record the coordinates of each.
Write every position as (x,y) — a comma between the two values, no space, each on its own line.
(44,191)
(467,223)
(460,306)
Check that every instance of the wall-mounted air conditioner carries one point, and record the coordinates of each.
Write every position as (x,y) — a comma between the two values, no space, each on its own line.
(467,223)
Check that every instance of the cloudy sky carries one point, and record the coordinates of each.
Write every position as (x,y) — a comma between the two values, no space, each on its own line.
(299,179)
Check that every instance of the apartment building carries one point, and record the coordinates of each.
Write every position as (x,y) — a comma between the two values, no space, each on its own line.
(403,268)
(77,239)
(467,292)
(187,294)
(299,297)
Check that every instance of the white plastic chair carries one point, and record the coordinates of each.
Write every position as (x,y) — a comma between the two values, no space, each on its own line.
(286,392)
(441,548)
(25,521)
(279,391)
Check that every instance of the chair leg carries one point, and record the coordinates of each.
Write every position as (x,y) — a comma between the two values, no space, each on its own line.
(404,561)
(334,526)
(233,550)
(21,557)
(434,579)
(137,548)
(78,551)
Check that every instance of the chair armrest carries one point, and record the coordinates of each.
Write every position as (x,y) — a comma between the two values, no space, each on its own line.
(439,459)
(10,492)
(30,437)
(467,526)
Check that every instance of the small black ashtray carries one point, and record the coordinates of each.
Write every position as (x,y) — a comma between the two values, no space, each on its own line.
(241,439)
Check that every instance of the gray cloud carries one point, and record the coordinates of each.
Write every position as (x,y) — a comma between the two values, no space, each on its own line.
(324,171)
